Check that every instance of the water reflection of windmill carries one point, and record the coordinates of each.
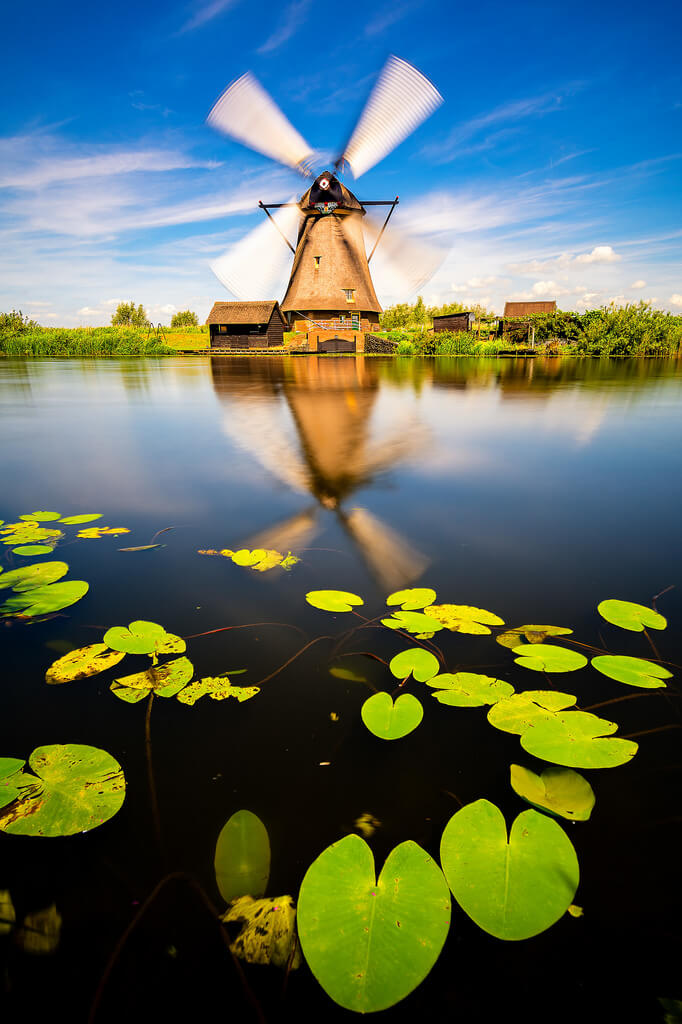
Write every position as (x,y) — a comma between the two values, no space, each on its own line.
(326,452)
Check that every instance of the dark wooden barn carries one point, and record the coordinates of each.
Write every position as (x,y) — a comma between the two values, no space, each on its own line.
(454,322)
(246,324)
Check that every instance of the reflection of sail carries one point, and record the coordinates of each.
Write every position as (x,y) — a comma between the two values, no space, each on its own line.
(322,448)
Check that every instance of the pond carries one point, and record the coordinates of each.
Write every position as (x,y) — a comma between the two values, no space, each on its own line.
(531,489)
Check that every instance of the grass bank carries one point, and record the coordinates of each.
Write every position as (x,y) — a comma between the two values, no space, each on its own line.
(98,341)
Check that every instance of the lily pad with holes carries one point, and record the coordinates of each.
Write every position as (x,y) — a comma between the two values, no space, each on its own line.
(369,943)
(217,688)
(75,788)
(45,600)
(142,637)
(578,739)
(469,689)
(242,857)
(413,598)
(165,680)
(532,634)
(333,600)
(560,791)
(268,932)
(525,710)
(548,658)
(40,517)
(633,671)
(627,615)
(389,720)
(29,577)
(413,622)
(463,618)
(81,663)
(29,533)
(86,517)
(512,887)
(416,662)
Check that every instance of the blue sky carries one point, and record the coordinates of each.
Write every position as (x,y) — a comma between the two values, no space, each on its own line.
(553,169)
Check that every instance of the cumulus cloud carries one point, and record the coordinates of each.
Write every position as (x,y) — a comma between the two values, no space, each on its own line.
(566,261)
(675,300)
(638,284)
(546,288)
(600,254)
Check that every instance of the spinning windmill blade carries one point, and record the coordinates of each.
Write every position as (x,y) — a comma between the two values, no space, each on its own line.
(246,112)
(258,265)
(293,534)
(387,555)
(403,262)
(401,99)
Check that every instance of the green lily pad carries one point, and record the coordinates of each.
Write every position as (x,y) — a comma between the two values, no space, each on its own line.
(578,739)
(75,788)
(268,934)
(40,517)
(142,637)
(413,598)
(30,576)
(413,622)
(242,857)
(512,888)
(333,600)
(217,688)
(525,710)
(627,615)
(348,674)
(86,517)
(391,721)
(533,634)
(370,943)
(29,533)
(10,779)
(415,661)
(45,600)
(81,663)
(165,680)
(633,671)
(469,689)
(463,618)
(548,658)
(32,549)
(561,791)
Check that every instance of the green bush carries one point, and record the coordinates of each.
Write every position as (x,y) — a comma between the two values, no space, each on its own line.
(185,318)
(128,314)
(16,323)
(405,348)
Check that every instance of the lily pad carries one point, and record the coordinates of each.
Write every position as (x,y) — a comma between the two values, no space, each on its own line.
(165,680)
(95,532)
(347,673)
(391,721)
(29,533)
(86,517)
(268,934)
(75,788)
(142,637)
(40,517)
(463,618)
(45,600)
(413,598)
(30,576)
(414,661)
(561,791)
(578,739)
(217,688)
(333,600)
(525,710)
(40,932)
(370,943)
(469,689)
(533,634)
(27,550)
(413,622)
(81,663)
(242,857)
(513,887)
(11,779)
(627,615)
(633,671)
(548,658)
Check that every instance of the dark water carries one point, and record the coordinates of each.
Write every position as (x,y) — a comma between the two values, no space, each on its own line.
(534,489)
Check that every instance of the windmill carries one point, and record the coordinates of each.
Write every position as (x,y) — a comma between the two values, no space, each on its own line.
(330,284)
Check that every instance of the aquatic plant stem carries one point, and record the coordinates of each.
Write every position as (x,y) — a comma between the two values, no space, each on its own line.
(246,625)
(150,778)
(629,696)
(660,594)
(293,657)
(652,645)
(647,732)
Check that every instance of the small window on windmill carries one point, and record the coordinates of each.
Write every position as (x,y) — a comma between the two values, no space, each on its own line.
(350,294)
(317,261)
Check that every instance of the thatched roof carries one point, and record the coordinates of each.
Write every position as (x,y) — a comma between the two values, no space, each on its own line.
(529,308)
(243,312)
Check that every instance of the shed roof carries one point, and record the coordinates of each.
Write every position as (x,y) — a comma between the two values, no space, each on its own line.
(529,308)
(243,312)
(446,316)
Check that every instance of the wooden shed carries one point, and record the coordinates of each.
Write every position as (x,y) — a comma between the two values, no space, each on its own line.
(454,322)
(246,324)
(529,308)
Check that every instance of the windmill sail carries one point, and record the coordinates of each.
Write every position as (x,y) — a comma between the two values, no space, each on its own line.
(257,267)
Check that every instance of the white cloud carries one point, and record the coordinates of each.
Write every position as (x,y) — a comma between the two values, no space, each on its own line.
(36,304)
(566,261)
(88,311)
(600,254)
(638,284)
(205,14)
(389,16)
(617,300)
(291,21)
(547,288)
(675,300)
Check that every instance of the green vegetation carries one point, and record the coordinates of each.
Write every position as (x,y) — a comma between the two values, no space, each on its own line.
(129,315)
(185,318)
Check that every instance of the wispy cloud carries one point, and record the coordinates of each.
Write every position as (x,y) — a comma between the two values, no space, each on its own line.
(291,21)
(206,13)
(389,16)
(566,261)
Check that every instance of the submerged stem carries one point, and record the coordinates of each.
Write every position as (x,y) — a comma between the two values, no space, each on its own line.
(246,625)
(150,778)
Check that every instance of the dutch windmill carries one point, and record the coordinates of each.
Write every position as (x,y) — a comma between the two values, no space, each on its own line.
(329,279)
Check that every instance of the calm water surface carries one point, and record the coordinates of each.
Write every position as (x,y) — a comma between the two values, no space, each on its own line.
(534,489)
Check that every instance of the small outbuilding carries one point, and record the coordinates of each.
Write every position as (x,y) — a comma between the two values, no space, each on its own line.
(246,324)
(454,322)
(529,308)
